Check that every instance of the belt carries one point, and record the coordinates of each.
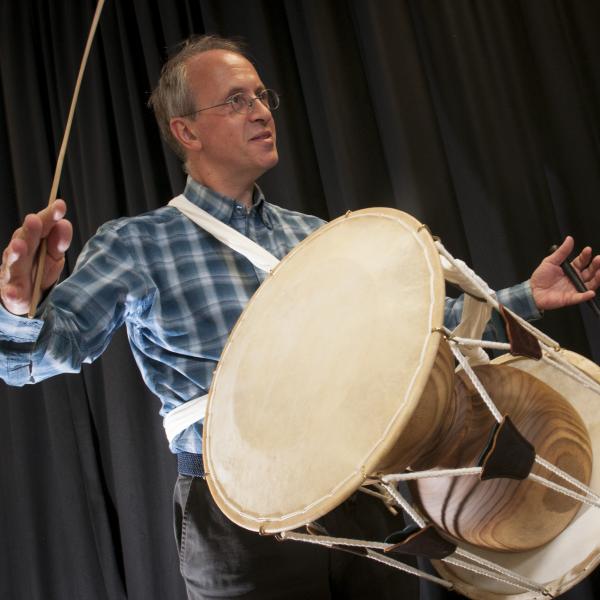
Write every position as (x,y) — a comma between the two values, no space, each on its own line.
(190,464)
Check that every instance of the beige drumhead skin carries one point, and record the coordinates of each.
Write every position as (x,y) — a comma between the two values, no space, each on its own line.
(570,557)
(323,370)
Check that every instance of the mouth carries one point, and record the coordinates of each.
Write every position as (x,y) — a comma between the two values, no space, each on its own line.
(262,137)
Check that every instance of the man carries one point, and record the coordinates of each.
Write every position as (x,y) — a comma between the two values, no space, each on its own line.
(179,291)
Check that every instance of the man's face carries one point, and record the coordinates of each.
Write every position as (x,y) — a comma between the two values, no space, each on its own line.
(233,145)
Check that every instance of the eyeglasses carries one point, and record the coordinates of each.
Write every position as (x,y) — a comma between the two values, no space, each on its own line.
(243,103)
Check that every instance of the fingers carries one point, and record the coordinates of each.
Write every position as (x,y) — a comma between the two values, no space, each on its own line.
(13,300)
(585,263)
(591,275)
(58,242)
(9,256)
(562,252)
(52,270)
(588,266)
(51,215)
(18,259)
(21,250)
(15,280)
(577,298)
(59,239)
(37,226)
(582,261)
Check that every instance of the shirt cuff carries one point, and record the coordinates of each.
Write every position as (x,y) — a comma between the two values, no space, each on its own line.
(18,329)
(519,299)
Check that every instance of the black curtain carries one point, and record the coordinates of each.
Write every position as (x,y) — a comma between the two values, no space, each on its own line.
(481,119)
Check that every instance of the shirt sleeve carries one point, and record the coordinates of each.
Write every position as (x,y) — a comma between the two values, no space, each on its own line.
(517,298)
(78,318)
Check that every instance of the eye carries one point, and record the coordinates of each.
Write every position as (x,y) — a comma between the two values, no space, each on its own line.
(238,102)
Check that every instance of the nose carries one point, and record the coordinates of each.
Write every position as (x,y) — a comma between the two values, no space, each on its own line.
(259,112)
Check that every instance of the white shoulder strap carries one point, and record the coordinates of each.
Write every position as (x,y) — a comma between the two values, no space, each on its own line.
(188,413)
(256,254)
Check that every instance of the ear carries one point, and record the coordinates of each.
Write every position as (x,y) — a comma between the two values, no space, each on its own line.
(182,130)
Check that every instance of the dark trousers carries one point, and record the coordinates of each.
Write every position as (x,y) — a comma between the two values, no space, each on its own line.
(218,559)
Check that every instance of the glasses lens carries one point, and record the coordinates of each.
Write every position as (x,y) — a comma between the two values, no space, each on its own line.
(269,98)
(242,103)
(239,103)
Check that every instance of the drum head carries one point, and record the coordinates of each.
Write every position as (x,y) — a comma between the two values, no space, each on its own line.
(323,370)
(573,554)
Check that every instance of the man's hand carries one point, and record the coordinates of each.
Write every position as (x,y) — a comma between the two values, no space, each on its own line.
(18,259)
(551,288)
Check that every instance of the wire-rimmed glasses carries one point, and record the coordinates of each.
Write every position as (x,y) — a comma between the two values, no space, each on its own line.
(243,103)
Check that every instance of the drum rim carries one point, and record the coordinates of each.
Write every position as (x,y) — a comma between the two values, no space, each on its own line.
(429,351)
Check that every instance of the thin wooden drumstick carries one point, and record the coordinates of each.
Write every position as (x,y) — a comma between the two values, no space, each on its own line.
(41,259)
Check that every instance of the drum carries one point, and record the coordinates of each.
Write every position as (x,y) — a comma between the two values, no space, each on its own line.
(311,394)
(575,552)
(338,372)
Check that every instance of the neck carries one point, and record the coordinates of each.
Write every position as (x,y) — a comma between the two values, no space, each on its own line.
(242,190)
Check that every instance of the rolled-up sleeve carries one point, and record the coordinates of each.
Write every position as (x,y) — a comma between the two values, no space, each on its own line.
(77,319)
(517,298)
(18,336)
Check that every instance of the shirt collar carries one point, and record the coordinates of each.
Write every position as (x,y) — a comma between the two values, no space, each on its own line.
(222,207)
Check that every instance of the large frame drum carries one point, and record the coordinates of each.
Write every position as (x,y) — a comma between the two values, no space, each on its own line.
(310,395)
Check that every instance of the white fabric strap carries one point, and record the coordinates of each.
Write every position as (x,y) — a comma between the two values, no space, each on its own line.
(475,316)
(456,271)
(257,255)
(192,411)
(186,414)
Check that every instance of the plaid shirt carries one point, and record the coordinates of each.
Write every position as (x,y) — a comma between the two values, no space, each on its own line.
(179,292)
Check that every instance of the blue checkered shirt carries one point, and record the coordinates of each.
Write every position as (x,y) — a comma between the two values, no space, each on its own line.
(179,292)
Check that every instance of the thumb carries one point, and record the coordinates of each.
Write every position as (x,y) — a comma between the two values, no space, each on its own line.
(561,253)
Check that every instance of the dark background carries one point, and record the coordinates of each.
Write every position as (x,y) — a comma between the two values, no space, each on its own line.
(480,118)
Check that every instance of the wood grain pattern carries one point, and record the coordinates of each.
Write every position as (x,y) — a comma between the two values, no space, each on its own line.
(503,514)
(432,420)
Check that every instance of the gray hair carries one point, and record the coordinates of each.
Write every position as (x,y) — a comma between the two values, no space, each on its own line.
(171,96)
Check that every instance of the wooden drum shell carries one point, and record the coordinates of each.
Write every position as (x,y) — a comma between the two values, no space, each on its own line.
(575,551)
(506,514)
